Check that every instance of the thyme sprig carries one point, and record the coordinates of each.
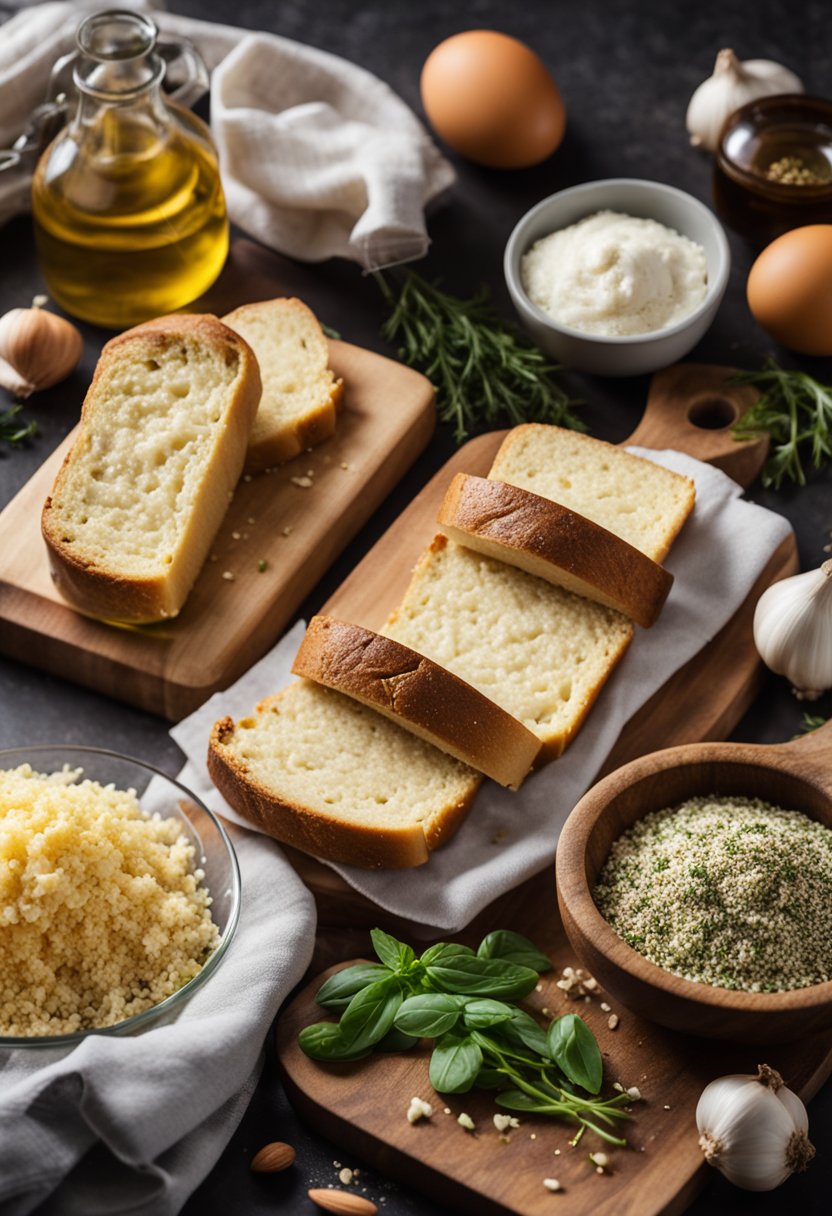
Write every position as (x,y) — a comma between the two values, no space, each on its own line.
(484,372)
(15,432)
(796,411)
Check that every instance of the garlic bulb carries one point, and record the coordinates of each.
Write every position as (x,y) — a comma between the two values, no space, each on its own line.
(37,349)
(754,1129)
(731,86)
(793,630)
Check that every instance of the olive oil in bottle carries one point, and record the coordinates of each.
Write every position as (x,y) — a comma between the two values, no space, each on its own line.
(129,213)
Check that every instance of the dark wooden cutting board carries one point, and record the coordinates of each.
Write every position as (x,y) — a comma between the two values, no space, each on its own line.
(362,1107)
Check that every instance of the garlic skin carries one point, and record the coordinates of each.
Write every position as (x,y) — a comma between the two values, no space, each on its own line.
(753,1129)
(731,86)
(37,349)
(793,630)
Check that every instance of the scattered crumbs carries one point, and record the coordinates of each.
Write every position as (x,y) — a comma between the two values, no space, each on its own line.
(546,1011)
(590,983)
(228,576)
(247,477)
(262,565)
(557,1152)
(599,1169)
(634,1092)
(345,1176)
(310,472)
(447,1110)
(600,1161)
(552,1184)
(466,1121)
(251,520)
(612,1021)
(605,1008)
(344,464)
(587,999)
(504,1122)
(337,1164)
(235,535)
(230,495)
(618,1087)
(642,1149)
(666,1107)
(577,983)
(286,531)
(213,557)
(303,482)
(539,988)
(532,1136)
(418,1109)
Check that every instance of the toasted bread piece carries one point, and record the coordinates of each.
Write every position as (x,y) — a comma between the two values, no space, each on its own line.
(301,396)
(633,498)
(554,543)
(140,496)
(327,775)
(419,695)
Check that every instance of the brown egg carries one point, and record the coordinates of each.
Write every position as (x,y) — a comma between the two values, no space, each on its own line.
(790,289)
(491,98)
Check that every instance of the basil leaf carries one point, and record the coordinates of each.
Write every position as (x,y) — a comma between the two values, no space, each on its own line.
(454,1064)
(490,1078)
(469,975)
(323,1041)
(394,954)
(428,1015)
(528,1034)
(444,950)
(482,1012)
(513,947)
(370,1013)
(396,1040)
(340,988)
(573,1048)
(515,1099)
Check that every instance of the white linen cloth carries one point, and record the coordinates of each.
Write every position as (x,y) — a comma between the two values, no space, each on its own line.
(319,158)
(716,560)
(133,1125)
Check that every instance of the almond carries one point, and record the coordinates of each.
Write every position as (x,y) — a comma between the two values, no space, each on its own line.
(342,1203)
(272,1158)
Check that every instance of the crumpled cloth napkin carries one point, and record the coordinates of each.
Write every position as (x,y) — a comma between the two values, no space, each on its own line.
(133,1125)
(319,157)
(716,560)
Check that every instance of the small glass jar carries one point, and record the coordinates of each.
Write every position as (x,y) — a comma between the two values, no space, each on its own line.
(773,166)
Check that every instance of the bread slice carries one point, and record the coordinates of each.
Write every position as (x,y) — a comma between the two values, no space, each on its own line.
(300,394)
(419,695)
(556,544)
(140,496)
(635,499)
(323,773)
(540,652)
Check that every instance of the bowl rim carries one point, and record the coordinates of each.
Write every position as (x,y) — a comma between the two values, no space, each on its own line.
(815,193)
(715,287)
(137,1020)
(575,893)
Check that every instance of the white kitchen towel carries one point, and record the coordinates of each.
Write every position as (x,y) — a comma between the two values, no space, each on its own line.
(133,1125)
(319,157)
(507,836)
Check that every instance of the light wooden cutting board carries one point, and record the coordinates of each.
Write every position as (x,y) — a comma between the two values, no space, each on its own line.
(227,623)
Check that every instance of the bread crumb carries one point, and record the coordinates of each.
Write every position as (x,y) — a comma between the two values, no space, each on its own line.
(303,482)
(228,576)
(286,531)
(344,464)
(605,1008)
(251,520)
(466,1121)
(345,1176)
(552,1184)
(418,1109)
(247,477)
(612,1021)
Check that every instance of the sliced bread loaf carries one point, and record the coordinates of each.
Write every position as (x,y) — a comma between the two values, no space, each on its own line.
(419,695)
(140,496)
(537,650)
(300,394)
(554,543)
(636,499)
(323,773)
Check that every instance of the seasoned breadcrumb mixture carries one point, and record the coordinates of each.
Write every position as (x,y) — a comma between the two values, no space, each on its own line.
(102,914)
(728,891)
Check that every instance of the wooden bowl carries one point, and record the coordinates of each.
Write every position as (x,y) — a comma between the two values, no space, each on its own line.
(796,776)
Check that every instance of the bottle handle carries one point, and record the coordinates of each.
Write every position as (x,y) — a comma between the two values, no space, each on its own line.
(196,80)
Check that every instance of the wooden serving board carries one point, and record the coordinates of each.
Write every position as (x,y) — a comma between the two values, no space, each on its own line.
(362,1106)
(226,624)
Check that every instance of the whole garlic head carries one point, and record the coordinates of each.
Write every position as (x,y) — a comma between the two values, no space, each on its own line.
(37,349)
(793,630)
(753,1129)
(731,86)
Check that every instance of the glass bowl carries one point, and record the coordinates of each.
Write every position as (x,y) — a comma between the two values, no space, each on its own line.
(213,853)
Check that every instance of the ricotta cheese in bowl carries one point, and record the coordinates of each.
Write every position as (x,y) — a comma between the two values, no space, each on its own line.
(613,274)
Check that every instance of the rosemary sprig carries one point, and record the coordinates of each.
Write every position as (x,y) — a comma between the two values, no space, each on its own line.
(483,371)
(15,432)
(796,411)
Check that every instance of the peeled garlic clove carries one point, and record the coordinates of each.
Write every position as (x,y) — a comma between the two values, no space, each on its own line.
(731,86)
(37,349)
(793,630)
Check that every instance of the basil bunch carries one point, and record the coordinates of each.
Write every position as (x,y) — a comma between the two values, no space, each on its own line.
(464,1000)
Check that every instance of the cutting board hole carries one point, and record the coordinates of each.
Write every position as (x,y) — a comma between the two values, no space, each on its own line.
(713,413)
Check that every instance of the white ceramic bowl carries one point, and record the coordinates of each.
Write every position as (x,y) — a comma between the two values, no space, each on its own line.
(632,355)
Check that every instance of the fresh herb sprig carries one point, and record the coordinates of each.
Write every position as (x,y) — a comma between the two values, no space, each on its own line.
(465,1001)
(483,371)
(796,411)
(15,432)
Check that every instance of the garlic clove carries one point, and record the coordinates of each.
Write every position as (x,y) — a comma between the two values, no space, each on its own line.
(37,349)
(731,85)
(793,630)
